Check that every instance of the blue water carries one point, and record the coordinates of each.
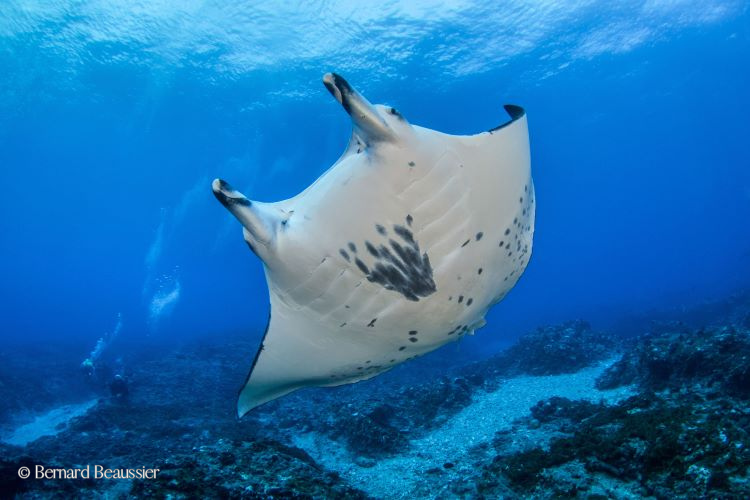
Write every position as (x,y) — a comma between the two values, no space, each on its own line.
(116,116)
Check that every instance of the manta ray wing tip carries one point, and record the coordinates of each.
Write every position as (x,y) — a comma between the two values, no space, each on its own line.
(514,111)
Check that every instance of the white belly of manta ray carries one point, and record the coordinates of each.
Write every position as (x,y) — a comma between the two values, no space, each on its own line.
(399,248)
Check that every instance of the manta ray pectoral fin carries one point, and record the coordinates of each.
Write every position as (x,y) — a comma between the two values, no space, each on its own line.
(368,124)
(259,223)
(298,351)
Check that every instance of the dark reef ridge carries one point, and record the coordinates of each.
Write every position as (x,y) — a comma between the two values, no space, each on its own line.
(677,357)
(551,350)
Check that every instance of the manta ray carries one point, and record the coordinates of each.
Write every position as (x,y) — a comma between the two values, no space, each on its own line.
(401,247)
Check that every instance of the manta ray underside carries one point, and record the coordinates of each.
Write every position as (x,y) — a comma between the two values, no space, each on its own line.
(402,246)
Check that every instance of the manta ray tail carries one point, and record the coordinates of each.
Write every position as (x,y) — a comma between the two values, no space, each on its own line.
(259,223)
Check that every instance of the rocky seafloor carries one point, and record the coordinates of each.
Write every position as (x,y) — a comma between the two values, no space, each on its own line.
(567,411)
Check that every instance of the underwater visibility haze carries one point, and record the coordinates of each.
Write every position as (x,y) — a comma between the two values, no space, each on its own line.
(132,310)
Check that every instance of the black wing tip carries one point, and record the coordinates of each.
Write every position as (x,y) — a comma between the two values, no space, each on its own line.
(514,111)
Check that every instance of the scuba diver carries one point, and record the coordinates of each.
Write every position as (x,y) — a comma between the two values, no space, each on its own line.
(118,387)
(99,373)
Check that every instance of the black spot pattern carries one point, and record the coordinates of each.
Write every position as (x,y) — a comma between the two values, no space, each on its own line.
(519,227)
(380,229)
(469,302)
(412,332)
(411,163)
(479,235)
(371,324)
(402,267)
(371,248)
(409,220)
(459,329)
(404,233)
(412,339)
(361,265)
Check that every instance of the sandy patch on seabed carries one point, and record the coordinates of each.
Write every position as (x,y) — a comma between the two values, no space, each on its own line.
(47,424)
(404,476)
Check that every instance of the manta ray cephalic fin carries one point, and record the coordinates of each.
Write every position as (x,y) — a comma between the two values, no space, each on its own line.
(258,219)
(368,124)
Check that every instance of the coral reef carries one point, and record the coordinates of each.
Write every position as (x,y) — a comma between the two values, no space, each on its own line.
(549,350)
(373,428)
(675,444)
(191,436)
(685,433)
(257,469)
(564,348)
(675,357)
